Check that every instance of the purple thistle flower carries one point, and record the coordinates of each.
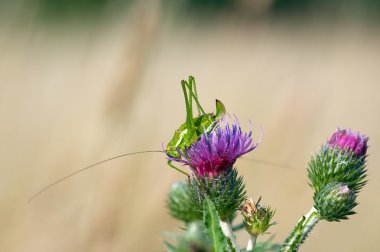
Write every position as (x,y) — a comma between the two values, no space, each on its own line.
(348,140)
(217,151)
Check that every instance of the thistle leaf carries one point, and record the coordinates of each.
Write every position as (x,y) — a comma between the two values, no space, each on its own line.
(212,222)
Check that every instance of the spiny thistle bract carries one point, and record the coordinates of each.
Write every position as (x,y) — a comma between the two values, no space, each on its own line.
(225,190)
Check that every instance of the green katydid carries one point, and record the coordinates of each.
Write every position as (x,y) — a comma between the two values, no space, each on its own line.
(191,130)
(188,133)
(184,136)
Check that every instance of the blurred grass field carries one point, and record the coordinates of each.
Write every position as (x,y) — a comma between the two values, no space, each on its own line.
(74,92)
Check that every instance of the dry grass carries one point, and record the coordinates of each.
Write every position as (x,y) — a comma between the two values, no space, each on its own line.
(75,96)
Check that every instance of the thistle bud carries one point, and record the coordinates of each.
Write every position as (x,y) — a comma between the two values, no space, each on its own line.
(256,217)
(179,203)
(341,159)
(335,202)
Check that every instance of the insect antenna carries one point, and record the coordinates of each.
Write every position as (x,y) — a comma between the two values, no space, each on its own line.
(44,189)
(266,162)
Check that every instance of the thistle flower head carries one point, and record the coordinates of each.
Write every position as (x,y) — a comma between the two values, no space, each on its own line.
(348,140)
(216,152)
(256,217)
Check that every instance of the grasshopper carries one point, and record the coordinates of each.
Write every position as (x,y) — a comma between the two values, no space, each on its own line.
(191,130)
(188,133)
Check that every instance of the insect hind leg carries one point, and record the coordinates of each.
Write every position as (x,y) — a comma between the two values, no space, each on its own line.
(192,86)
(189,109)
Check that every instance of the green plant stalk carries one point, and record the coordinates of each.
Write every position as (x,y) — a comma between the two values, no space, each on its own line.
(301,230)
(251,243)
(227,231)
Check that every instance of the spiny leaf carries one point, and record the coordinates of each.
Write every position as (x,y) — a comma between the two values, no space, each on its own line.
(212,222)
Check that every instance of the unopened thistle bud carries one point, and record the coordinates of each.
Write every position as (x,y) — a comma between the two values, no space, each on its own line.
(180,205)
(341,159)
(335,202)
(257,218)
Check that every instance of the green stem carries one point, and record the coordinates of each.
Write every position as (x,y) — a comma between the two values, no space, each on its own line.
(227,231)
(300,232)
(251,243)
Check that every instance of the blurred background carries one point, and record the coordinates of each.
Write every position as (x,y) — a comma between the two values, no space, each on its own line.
(84,80)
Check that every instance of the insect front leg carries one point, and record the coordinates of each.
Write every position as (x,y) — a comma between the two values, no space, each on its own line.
(176,168)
